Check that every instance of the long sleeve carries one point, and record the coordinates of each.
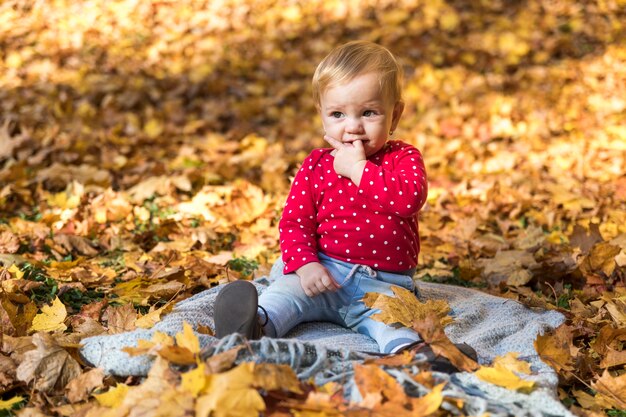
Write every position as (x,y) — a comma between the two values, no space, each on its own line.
(400,189)
(298,224)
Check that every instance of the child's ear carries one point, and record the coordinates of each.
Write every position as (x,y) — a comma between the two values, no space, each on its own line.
(398,108)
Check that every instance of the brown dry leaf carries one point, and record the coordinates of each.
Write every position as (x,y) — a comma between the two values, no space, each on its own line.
(79,388)
(512,266)
(94,309)
(121,319)
(613,358)
(555,348)
(601,259)
(431,330)
(275,377)
(384,396)
(8,368)
(73,243)
(372,379)
(178,355)
(608,336)
(48,367)
(584,238)
(617,309)
(9,242)
(222,361)
(611,390)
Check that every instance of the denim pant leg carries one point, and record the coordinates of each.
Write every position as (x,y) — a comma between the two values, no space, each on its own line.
(287,305)
(357,315)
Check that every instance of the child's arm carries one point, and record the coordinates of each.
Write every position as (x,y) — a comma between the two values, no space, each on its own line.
(401,191)
(298,224)
(315,279)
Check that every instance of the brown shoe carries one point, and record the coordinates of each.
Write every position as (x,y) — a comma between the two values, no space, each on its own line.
(235,311)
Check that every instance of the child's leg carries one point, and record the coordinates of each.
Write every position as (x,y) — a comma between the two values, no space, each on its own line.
(390,339)
(287,305)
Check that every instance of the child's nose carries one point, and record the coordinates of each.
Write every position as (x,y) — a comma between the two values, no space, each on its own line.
(354,126)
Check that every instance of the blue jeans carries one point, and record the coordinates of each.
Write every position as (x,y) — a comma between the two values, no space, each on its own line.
(287,305)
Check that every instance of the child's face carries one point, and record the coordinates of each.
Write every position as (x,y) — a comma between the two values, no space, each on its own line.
(358,110)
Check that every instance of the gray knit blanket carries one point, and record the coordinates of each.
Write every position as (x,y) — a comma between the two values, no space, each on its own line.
(493,326)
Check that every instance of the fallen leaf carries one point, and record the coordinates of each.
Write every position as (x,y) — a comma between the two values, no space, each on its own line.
(405,308)
(8,368)
(114,397)
(429,403)
(194,381)
(503,373)
(154,316)
(188,339)
(48,367)
(73,243)
(178,355)
(223,361)
(231,394)
(51,318)
(612,390)
(511,266)
(79,388)
(431,330)
(554,349)
(121,319)
(276,377)
(9,243)
(613,358)
(8,404)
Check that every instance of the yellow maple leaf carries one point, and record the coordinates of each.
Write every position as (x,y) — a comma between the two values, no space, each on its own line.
(148,320)
(510,361)
(231,394)
(8,404)
(502,374)
(195,380)
(429,403)
(114,397)
(405,308)
(51,318)
(188,339)
(16,271)
(159,340)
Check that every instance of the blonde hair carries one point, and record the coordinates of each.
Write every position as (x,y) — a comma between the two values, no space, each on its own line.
(354,58)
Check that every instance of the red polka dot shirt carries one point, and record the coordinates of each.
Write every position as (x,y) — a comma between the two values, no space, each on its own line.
(373,224)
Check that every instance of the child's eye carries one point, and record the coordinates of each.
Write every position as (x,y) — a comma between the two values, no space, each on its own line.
(368,113)
(336,114)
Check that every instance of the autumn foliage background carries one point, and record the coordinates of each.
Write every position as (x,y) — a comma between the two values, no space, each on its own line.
(146,148)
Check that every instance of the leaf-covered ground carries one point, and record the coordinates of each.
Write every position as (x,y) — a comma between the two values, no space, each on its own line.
(146,149)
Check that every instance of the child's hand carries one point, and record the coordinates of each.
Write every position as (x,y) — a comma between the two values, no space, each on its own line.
(350,158)
(315,279)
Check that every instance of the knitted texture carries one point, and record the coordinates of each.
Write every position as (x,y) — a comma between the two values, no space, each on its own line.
(493,326)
